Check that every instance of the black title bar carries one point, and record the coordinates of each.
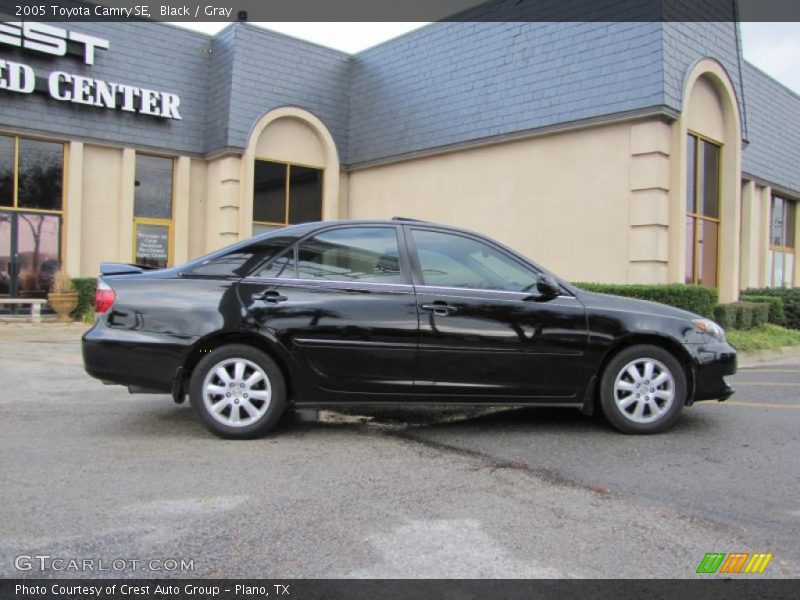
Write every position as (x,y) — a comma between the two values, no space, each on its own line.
(397,589)
(401,10)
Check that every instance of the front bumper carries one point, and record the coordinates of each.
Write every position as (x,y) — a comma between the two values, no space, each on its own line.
(712,365)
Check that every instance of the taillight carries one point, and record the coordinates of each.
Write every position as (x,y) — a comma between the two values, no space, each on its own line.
(104,297)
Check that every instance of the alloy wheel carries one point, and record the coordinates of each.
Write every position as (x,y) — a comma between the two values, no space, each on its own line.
(236,392)
(644,390)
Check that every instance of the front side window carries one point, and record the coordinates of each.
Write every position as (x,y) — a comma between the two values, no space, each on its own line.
(781,242)
(152,210)
(285,194)
(702,211)
(449,260)
(358,254)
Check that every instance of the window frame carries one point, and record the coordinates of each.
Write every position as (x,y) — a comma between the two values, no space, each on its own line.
(406,275)
(778,249)
(15,183)
(419,281)
(697,217)
(168,223)
(286,187)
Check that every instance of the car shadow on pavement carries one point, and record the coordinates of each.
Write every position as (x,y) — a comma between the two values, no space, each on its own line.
(162,418)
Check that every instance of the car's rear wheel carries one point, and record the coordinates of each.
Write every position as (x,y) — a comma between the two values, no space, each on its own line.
(643,389)
(237,391)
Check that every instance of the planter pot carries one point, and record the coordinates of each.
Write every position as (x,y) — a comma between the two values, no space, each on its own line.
(63,303)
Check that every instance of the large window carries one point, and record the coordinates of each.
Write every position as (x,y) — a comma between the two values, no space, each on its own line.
(31,201)
(152,211)
(31,174)
(450,260)
(285,194)
(702,211)
(781,242)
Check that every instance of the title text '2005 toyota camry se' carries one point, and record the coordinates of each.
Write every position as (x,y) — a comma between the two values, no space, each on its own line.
(394,313)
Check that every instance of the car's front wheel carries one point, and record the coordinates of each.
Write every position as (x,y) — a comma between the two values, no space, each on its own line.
(237,391)
(643,389)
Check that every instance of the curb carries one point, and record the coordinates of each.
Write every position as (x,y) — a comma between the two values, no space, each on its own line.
(759,358)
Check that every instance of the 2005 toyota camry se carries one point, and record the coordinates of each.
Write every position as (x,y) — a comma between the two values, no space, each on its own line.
(393,312)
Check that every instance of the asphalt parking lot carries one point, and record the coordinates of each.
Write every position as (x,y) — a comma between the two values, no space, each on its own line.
(91,472)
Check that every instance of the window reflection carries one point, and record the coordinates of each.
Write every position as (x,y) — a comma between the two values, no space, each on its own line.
(153,191)
(37,252)
(41,170)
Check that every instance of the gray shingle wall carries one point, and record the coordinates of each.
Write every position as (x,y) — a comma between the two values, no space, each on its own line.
(441,85)
(161,58)
(774,130)
(272,70)
(452,82)
(686,43)
(220,77)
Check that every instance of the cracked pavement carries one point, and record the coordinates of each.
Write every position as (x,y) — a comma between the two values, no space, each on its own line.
(90,471)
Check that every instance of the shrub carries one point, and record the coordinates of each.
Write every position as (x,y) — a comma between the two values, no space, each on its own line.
(694,298)
(791,302)
(744,315)
(725,315)
(741,315)
(85,286)
(776,314)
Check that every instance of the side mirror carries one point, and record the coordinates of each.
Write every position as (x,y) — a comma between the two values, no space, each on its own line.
(547,286)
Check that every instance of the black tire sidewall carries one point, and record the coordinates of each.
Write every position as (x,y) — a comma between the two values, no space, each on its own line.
(609,406)
(277,402)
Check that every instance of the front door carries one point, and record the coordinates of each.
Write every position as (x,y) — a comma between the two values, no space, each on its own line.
(484,330)
(342,303)
(29,253)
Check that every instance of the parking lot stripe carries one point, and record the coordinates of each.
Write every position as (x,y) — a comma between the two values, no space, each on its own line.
(772,383)
(761,370)
(762,404)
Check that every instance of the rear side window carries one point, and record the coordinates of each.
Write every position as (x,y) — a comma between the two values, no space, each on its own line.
(366,254)
(239,263)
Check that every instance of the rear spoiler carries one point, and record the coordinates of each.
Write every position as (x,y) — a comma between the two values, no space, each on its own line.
(123,269)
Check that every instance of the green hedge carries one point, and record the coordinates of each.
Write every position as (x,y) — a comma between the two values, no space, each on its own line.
(741,315)
(694,298)
(760,314)
(791,302)
(725,315)
(777,316)
(85,286)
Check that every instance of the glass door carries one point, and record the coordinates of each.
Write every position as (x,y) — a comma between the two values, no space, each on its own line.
(30,246)
(7,266)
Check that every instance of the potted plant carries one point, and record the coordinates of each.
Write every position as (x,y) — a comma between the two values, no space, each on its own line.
(63,297)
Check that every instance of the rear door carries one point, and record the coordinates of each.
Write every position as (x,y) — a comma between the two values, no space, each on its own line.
(484,330)
(342,302)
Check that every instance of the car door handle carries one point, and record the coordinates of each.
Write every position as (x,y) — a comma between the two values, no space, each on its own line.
(270,296)
(439,308)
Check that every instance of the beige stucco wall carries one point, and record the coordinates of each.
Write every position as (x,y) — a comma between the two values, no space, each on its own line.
(197,208)
(290,140)
(100,210)
(562,199)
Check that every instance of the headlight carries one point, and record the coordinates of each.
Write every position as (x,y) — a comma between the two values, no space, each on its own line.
(710,328)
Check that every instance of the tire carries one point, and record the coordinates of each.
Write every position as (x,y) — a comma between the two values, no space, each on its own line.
(660,400)
(238,392)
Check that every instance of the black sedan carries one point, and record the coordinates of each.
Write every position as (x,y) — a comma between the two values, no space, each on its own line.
(393,313)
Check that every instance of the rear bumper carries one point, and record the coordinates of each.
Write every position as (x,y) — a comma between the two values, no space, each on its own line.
(133,358)
(713,365)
